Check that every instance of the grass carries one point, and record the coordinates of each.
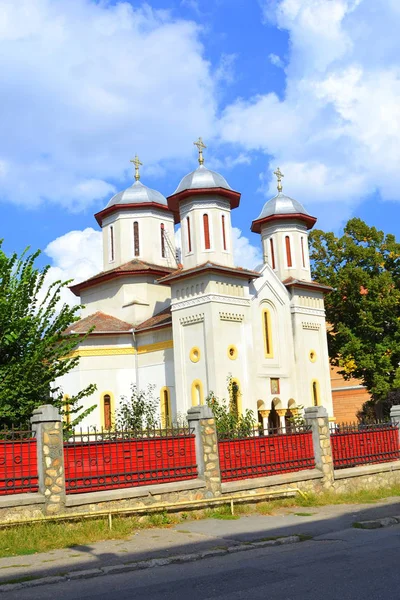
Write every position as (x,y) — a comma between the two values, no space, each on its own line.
(44,537)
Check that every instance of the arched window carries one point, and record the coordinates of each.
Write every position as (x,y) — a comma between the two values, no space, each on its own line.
(206,228)
(315,393)
(67,408)
(162,233)
(288,251)
(197,393)
(136,243)
(267,331)
(223,232)
(272,252)
(165,408)
(235,396)
(189,238)
(107,412)
(112,256)
(302,252)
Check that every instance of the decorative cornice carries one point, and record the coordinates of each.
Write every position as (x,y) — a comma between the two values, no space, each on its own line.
(155,347)
(191,319)
(202,205)
(102,214)
(303,310)
(310,325)
(111,351)
(221,299)
(174,200)
(228,316)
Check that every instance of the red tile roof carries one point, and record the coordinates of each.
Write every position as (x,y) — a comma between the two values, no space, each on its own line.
(132,268)
(313,285)
(101,323)
(209,266)
(162,319)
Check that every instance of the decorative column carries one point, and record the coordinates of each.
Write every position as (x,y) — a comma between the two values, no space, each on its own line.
(317,417)
(47,425)
(201,419)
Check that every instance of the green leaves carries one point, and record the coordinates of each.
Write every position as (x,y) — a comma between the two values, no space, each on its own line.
(33,350)
(363,267)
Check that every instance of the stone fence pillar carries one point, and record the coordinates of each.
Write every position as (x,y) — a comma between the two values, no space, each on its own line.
(317,417)
(201,419)
(47,424)
(395,416)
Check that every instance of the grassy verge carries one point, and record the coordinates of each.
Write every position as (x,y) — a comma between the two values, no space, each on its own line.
(43,537)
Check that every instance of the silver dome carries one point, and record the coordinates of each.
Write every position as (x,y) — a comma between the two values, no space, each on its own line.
(282,205)
(202,178)
(137,194)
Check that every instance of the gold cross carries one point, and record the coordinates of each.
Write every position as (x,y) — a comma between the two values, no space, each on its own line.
(137,164)
(200,146)
(279,176)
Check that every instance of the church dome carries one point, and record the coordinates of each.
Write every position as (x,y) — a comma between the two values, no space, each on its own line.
(202,178)
(137,194)
(282,205)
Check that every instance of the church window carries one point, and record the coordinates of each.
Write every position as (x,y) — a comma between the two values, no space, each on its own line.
(235,396)
(302,252)
(111,243)
(197,393)
(136,244)
(206,228)
(223,232)
(162,231)
(165,408)
(189,238)
(266,317)
(271,246)
(67,409)
(107,411)
(315,393)
(288,251)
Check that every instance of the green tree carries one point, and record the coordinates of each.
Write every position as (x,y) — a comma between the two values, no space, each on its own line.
(33,350)
(139,411)
(363,268)
(229,422)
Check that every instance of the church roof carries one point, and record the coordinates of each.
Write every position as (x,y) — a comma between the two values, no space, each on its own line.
(161,319)
(102,324)
(209,266)
(281,207)
(132,268)
(138,194)
(311,285)
(202,178)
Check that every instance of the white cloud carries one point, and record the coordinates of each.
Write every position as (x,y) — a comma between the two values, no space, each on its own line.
(85,85)
(276,60)
(336,132)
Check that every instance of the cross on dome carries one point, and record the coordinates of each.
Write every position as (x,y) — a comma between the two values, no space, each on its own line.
(137,164)
(279,176)
(200,147)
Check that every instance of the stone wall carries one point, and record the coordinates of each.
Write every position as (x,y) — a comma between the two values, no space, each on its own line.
(196,493)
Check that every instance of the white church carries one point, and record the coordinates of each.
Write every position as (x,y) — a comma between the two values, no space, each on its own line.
(186,328)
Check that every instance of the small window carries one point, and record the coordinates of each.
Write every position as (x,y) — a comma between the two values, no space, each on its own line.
(271,247)
(136,242)
(206,228)
(266,316)
(67,411)
(189,239)
(162,233)
(223,232)
(288,251)
(107,411)
(315,393)
(302,252)
(112,256)
(165,406)
(197,393)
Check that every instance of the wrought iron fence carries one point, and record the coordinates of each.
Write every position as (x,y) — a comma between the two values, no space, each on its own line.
(266,452)
(358,444)
(105,460)
(18,462)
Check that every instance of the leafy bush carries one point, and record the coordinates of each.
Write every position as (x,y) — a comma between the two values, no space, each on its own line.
(229,422)
(138,412)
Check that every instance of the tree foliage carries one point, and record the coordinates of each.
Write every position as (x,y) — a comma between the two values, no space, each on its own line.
(363,268)
(229,422)
(33,350)
(139,411)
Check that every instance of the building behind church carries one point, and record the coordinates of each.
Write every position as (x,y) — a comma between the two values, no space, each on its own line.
(185,328)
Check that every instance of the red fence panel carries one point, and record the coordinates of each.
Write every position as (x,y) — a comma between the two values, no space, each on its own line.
(18,462)
(359,444)
(263,455)
(95,462)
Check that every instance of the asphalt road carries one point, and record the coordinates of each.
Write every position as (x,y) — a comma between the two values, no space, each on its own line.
(352,564)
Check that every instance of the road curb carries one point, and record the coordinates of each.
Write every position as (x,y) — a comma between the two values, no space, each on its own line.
(377,523)
(150,563)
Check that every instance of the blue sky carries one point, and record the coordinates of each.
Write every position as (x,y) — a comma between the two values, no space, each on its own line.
(310,85)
